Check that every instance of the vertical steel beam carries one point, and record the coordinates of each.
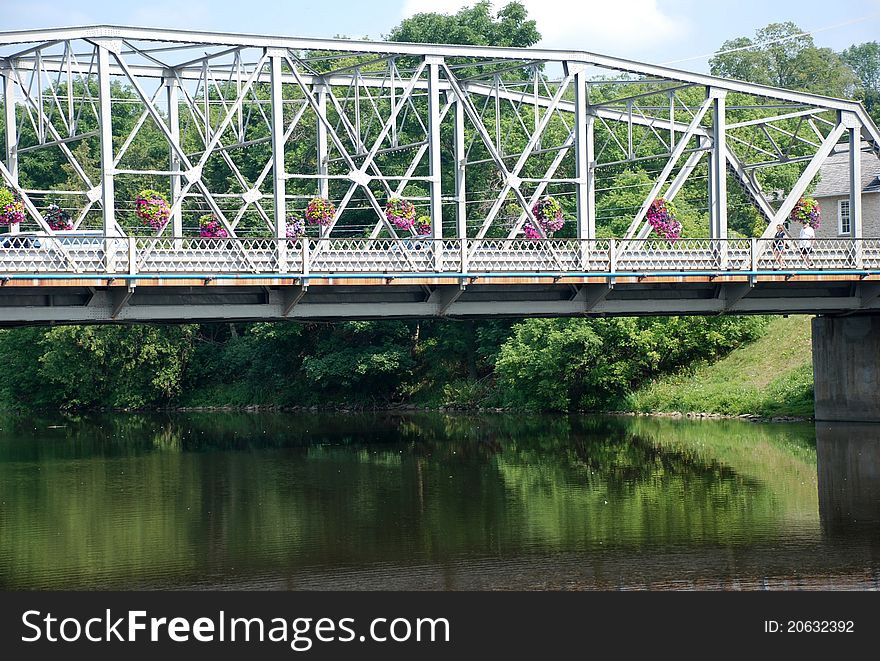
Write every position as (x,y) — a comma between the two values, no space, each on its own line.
(718,167)
(460,173)
(583,155)
(11,133)
(855,181)
(323,169)
(206,92)
(497,96)
(280,206)
(108,194)
(278,174)
(460,154)
(357,107)
(172,88)
(854,126)
(629,130)
(436,189)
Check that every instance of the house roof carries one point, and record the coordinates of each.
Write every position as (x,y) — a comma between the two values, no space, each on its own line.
(834,174)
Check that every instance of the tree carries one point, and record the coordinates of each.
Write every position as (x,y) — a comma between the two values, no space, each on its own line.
(572,364)
(471,25)
(865,61)
(781,55)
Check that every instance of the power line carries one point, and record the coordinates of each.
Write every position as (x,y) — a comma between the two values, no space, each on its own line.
(761,44)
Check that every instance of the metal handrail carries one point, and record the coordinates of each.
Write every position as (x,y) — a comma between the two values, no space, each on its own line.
(380,256)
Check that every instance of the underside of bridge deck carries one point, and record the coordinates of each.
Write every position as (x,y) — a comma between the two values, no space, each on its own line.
(26,301)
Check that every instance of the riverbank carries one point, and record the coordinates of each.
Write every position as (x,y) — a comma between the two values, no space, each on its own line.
(771,378)
(576,366)
(414,408)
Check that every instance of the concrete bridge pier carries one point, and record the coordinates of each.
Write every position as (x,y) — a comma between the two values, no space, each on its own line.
(846,368)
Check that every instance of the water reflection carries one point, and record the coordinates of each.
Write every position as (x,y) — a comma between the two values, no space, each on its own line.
(849,477)
(415,501)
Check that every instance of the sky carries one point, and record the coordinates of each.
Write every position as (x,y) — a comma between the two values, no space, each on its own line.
(681,33)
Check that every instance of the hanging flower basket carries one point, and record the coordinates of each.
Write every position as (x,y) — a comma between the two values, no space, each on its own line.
(210,227)
(661,217)
(423,225)
(296,228)
(11,208)
(548,213)
(807,212)
(152,208)
(400,213)
(57,218)
(530,232)
(320,211)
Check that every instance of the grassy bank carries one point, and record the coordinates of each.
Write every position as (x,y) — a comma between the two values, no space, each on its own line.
(772,376)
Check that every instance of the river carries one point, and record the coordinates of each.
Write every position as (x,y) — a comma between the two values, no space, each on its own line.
(298,501)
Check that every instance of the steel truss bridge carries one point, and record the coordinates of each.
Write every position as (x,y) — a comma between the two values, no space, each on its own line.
(248,128)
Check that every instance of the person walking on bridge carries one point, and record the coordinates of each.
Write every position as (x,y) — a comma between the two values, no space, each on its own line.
(806,243)
(779,246)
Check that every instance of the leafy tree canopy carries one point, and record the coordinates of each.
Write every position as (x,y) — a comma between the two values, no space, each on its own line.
(865,61)
(783,56)
(471,25)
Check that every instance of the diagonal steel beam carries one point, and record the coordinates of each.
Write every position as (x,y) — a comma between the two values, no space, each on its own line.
(74,163)
(667,170)
(751,186)
(686,170)
(804,180)
(511,181)
(471,111)
(194,173)
(12,182)
(359,173)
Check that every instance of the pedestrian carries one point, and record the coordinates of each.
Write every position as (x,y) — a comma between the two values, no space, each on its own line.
(806,243)
(779,246)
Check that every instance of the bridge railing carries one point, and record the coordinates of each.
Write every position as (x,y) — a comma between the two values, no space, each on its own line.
(39,255)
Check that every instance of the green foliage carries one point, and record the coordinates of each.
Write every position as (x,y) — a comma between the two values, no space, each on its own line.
(471,25)
(362,359)
(783,56)
(773,376)
(565,364)
(95,366)
(865,62)
(6,196)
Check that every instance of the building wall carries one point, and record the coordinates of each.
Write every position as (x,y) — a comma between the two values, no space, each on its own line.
(830,221)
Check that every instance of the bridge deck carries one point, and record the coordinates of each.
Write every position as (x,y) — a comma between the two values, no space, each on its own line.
(134,279)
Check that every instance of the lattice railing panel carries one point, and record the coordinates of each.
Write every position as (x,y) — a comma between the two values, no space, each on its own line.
(40,254)
(523,255)
(207,255)
(822,254)
(49,254)
(683,255)
(371,256)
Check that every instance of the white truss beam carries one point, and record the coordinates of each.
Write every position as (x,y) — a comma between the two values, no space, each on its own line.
(236,80)
(667,169)
(108,197)
(718,168)
(804,180)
